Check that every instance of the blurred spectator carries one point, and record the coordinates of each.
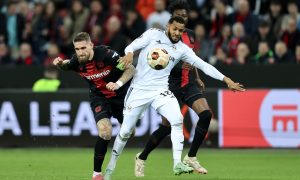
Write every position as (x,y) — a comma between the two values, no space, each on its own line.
(25,10)
(297,54)
(96,17)
(239,35)
(53,21)
(203,45)
(293,13)
(160,17)
(116,9)
(96,34)
(113,36)
(243,15)
(11,27)
(224,38)
(275,17)
(52,52)
(39,31)
(282,55)
(134,24)
(145,8)
(220,58)
(264,55)
(219,17)
(242,54)
(25,55)
(50,81)
(79,16)
(291,36)
(263,34)
(4,54)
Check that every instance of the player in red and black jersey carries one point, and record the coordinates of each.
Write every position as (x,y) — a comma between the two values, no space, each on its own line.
(186,85)
(108,86)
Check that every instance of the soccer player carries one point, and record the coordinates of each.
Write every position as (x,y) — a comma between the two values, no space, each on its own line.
(183,84)
(149,87)
(107,82)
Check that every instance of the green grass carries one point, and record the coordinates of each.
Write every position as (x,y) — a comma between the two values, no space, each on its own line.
(76,164)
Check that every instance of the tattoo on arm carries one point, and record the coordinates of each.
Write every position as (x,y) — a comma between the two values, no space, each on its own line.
(127,74)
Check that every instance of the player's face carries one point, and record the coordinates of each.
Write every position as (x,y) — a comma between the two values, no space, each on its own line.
(175,31)
(83,49)
(181,13)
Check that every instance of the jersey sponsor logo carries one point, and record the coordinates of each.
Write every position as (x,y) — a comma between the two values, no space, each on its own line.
(98,109)
(98,75)
(280,117)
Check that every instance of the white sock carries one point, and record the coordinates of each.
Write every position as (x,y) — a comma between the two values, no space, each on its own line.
(116,152)
(96,173)
(177,142)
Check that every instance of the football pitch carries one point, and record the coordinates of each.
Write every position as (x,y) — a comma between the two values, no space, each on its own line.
(222,164)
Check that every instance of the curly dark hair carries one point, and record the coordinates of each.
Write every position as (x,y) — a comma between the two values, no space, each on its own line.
(178,4)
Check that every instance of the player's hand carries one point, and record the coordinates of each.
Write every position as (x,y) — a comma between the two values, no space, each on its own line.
(233,85)
(186,65)
(126,60)
(58,61)
(200,83)
(111,86)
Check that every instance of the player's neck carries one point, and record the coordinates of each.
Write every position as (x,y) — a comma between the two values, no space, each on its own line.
(91,55)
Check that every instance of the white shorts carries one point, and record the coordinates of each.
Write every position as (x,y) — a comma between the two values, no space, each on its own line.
(137,101)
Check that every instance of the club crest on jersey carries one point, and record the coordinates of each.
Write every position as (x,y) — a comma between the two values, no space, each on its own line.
(174,47)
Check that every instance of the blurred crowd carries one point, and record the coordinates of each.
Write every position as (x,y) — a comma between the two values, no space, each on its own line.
(33,32)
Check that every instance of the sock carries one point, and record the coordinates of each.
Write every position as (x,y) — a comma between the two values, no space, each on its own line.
(116,151)
(96,173)
(154,140)
(200,132)
(177,142)
(99,153)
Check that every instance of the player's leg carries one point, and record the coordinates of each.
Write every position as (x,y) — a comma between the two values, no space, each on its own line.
(130,119)
(163,130)
(168,107)
(199,104)
(154,140)
(100,108)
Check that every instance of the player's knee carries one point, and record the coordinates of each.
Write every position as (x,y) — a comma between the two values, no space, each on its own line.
(125,134)
(178,119)
(204,119)
(104,129)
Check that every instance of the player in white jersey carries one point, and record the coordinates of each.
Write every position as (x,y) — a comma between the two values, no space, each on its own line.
(149,87)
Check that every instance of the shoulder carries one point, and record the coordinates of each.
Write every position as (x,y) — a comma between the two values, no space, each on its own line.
(190,32)
(154,31)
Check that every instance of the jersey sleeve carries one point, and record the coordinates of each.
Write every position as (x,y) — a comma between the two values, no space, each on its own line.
(111,56)
(190,57)
(141,41)
(73,63)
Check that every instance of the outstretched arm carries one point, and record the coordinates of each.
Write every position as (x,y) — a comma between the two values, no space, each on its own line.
(211,71)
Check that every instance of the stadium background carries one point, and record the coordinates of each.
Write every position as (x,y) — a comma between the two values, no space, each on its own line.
(266,116)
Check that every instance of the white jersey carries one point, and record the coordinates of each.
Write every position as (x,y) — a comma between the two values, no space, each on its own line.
(151,79)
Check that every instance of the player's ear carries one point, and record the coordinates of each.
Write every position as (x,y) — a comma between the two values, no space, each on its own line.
(92,44)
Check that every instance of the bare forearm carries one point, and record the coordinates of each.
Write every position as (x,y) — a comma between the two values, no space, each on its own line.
(127,74)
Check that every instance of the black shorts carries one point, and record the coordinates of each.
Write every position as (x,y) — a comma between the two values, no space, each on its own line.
(187,94)
(107,107)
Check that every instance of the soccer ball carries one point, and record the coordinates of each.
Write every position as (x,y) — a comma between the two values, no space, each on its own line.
(158,58)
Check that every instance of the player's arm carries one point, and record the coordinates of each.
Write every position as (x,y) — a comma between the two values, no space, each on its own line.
(125,77)
(61,64)
(210,70)
(135,45)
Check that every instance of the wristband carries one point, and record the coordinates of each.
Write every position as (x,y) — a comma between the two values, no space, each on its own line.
(119,83)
